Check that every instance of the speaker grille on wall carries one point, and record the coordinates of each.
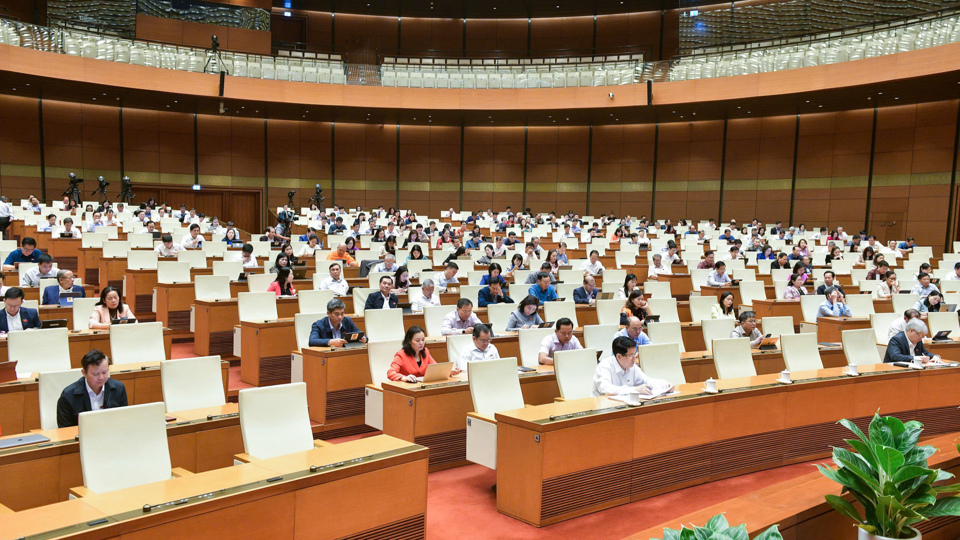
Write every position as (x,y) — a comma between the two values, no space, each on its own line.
(649,90)
(223,75)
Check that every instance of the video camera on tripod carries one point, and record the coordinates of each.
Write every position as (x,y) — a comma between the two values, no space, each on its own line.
(102,189)
(126,193)
(73,191)
(318,195)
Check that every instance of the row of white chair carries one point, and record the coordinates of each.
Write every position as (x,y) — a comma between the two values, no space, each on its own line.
(482,80)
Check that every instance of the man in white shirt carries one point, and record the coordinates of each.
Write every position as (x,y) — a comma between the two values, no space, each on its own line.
(561,340)
(593,267)
(49,225)
(193,239)
(447,277)
(389,264)
(93,223)
(245,257)
(924,287)
(461,320)
(426,297)
(150,228)
(335,281)
(481,350)
(718,277)
(110,220)
(67,228)
(167,248)
(657,267)
(619,374)
(6,214)
(900,323)
(44,269)
(842,235)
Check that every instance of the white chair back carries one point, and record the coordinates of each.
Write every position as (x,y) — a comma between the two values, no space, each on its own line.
(82,309)
(800,352)
(313,301)
(384,324)
(137,343)
(860,347)
(937,322)
(124,447)
(498,315)
(211,287)
(666,332)
(554,311)
(51,386)
(574,370)
(258,283)
(608,311)
(662,361)
(599,337)
(302,326)
(115,249)
(140,259)
(173,272)
(231,269)
(666,308)
(195,257)
(657,289)
(861,305)
(495,386)
(732,358)
(274,420)
(750,291)
(257,306)
(39,350)
(809,305)
(529,341)
(716,329)
(192,383)
(701,307)
(903,302)
(777,326)
(433,318)
(456,343)
(379,356)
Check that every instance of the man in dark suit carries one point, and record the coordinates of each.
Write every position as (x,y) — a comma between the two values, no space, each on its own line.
(15,317)
(586,294)
(907,346)
(92,392)
(378,299)
(51,295)
(493,294)
(330,330)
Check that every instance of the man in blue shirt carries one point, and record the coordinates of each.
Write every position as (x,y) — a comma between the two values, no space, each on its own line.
(27,252)
(511,239)
(634,331)
(834,305)
(542,289)
(907,247)
(924,287)
(337,227)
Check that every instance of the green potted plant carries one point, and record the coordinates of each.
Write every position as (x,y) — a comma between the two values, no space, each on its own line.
(887,474)
(717,528)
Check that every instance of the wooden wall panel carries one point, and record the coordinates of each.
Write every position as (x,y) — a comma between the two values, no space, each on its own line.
(193,34)
(557,169)
(432,34)
(430,169)
(20,148)
(360,36)
(562,35)
(688,169)
(484,35)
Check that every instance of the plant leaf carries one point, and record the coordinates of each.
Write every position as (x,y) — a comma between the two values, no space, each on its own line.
(857,467)
(889,459)
(947,506)
(910,435)
(773,533)
(909,472)
(687,534)
(865,450)
(879,432)
(919,455)
(702,533)
(718,523)
(669,534)
(947,489)
(921,499)
(856,431)
(738,533)
(844,507)
(895,425)
(942,475)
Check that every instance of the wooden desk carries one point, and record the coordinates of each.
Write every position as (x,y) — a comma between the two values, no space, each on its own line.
(799,508)
(139,295)
(698,366)
(735,291)
(20,401)
(65,251)
(376,488)
(32,476)
(84,341)
(88,266)
(215,321)
(778,308)
(34,293)
(829,329)
(703,437)
(435,416)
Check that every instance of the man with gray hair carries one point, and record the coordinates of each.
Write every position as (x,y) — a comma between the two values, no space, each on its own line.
(480,350)
(335,281)
(907,346)
(389,264)
(330,330)
(834,305)
(426,297)
(634,331)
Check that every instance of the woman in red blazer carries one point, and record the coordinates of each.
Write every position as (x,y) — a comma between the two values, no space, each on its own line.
(412,360)
(283,285)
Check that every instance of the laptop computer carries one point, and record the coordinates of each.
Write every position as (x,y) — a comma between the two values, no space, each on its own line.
(942,336)
(546,324)
(122,321)
(22,441)
(53,323)
(651,318)
(407,307)
(735,282)
(949,307)
(769,343)
(157,235)
(242,276)
(300,272)
(66,235)
(353,337)
(437,372)
(66,299)
(606,296)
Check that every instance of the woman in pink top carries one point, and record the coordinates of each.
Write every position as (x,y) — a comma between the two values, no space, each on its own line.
(283,285)
(109,307)
(795,288)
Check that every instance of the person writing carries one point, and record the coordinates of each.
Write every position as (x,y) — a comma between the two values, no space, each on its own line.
(525,316)
(168,249)
(587,294)
(16,317)
(283,285)
(27,252)
(51,294)
(561,340)
(461,320)
(43,270)
(593,267)
(619,373)
(634,331)
(412,359)
(718,277)
(907,346)
(542,290)
(94,391)
(329,331)
(481,350)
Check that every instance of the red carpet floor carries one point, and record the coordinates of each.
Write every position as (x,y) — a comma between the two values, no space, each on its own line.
(461,505)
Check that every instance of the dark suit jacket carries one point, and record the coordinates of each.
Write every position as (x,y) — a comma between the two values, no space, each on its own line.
(485,298)
(322,333)
(580,295)
(51,295)
(29,318)
(898,350)
(75,400)
(375,301)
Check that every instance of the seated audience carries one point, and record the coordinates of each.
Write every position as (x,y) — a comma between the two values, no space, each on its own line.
(51,294)
(94,391)
(561,340)
(330,330)
(17,317)
(526,315)
(481,350)
(620,374)
(108,309)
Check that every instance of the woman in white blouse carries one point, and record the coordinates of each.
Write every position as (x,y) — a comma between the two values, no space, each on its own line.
(724,309)
(887,287)
(312,245)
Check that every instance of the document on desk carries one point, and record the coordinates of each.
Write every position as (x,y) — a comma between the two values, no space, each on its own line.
(635,397)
